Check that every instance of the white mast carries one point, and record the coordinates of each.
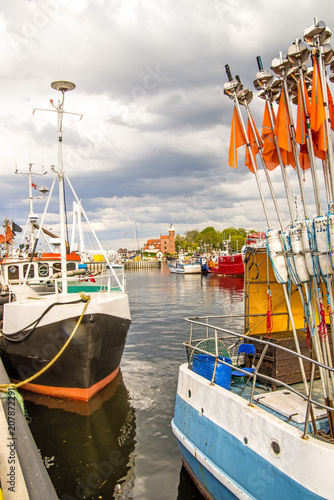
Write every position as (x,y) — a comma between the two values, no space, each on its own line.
(61,86)
(32,216)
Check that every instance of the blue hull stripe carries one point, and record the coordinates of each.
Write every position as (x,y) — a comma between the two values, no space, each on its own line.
(249,472)
(213,487)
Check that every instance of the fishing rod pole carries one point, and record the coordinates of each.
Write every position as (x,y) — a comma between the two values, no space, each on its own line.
(234,88)
(300,273)
(318,37)
(265,81)
(298,54)
(244,98)
(281,66)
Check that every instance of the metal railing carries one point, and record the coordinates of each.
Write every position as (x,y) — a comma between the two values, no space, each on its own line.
(223,335)
(41,287)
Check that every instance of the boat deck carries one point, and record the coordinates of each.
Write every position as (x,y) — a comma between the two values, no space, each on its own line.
(284,403)
(217,357)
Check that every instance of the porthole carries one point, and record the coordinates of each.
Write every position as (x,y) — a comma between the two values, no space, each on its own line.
(275,448)
(245,440)
(43,270)
(189,393)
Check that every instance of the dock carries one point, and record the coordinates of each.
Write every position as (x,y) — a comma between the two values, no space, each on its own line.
(142,264)
(22,472)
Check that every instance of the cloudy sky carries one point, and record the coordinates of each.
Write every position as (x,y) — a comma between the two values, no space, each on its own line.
(152,145)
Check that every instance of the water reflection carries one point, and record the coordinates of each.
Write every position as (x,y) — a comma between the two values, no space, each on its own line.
(227,283)
(88,448)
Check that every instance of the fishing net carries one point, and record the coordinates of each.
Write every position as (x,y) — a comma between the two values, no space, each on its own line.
(227,348)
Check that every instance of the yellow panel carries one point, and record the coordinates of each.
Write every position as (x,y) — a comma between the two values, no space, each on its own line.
(260,279)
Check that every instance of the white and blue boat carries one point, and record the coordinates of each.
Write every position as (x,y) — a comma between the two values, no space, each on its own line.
(243,431)
(254,414)
(184,266)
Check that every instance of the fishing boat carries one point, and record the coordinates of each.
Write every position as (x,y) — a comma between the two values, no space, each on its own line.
(65,332)
(184,266)
(228,264)
(254,415)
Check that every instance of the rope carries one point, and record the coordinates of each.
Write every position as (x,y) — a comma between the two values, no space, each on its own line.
(269,314)
(35,323)
(323,328)
(308,336)
(5,387)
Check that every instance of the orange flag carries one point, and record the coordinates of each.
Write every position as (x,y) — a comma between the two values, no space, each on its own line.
(269,152)
(237,139)
(8,234)
(282,132)
(253,144)
(330,107)
(301,126)
(318,115)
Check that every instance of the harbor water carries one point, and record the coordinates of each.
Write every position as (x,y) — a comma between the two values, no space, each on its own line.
(120,444)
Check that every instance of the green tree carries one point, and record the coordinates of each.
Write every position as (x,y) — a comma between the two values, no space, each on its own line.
(235,237)
(208,239)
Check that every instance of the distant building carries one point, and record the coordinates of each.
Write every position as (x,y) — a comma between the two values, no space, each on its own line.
(123,252)
(164,244)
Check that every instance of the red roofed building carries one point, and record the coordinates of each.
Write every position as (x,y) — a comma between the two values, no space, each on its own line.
(165,244)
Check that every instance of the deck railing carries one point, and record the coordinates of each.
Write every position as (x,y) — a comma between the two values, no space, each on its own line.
(107,283)
(224,343)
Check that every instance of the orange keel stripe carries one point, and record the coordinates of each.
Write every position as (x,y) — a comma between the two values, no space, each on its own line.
(71,392)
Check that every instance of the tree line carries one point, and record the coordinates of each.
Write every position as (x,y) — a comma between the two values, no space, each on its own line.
(210,240)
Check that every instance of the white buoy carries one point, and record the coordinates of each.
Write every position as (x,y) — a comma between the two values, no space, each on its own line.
(307,248)
(297,250)
(320,236)
(277,255)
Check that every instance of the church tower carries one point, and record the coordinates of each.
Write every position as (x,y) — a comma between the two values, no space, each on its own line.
(171,238)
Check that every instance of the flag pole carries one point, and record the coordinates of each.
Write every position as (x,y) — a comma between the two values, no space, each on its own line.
(281,66)
(264,80)
(318,37)
(233,87)
(298,54)
(245,98)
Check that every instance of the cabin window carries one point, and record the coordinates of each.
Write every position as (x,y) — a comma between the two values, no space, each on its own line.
(56,267)
(43,270)
(31,271)
(70,266)
(13,272)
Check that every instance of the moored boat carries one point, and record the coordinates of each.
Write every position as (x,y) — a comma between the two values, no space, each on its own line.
(65,332)
(228,265)
(184,266)
(252,433)
(254,414)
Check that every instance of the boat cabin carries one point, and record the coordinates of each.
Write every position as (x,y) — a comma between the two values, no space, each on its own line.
(42,269)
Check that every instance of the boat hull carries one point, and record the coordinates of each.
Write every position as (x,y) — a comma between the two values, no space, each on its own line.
(228,265)
(226,446)
(90,361)
(186,269)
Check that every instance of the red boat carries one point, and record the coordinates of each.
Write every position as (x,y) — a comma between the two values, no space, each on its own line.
(233,264)
(228,265)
